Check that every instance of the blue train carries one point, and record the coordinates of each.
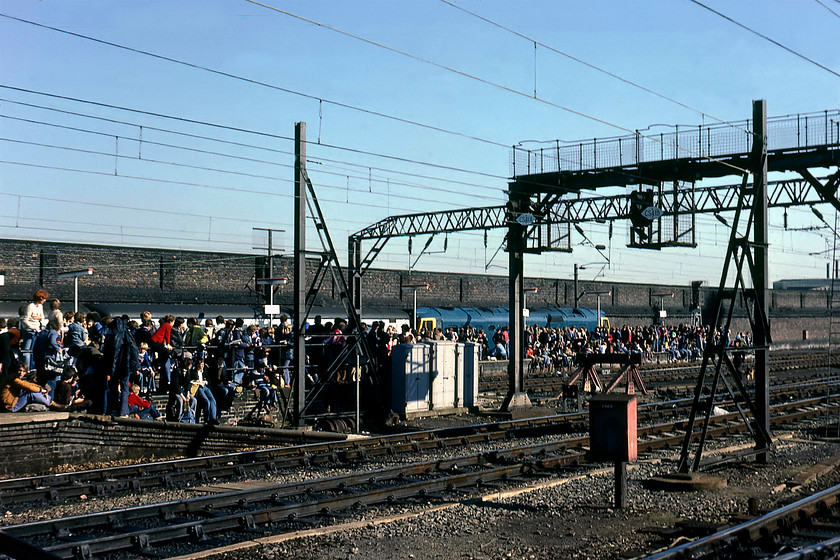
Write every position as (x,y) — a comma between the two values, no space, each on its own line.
(492,318)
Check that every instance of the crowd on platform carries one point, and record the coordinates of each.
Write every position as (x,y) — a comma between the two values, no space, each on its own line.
(111,365)
(54,360)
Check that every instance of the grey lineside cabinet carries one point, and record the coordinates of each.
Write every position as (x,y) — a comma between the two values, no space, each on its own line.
(433,378)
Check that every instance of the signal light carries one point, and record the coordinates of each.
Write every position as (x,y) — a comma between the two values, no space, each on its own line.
(639,223)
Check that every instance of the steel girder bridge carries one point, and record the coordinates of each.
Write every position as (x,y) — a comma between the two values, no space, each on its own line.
(545,200)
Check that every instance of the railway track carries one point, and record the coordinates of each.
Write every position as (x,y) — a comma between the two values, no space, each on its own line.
(806,529)
(675,376)
(146,477)
(213,520)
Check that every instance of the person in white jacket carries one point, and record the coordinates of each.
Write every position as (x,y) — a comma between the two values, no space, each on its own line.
(31,323)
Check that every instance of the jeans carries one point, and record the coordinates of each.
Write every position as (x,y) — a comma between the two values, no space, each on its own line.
(118,396)
(145,413)
(27,340)
(206,403)
(28,397)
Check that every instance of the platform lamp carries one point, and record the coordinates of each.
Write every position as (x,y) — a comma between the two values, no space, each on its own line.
(525,312)
(75,275)
(2,277)
(271,310)
(583,267)
(662,296)
(598,293)
(414,288)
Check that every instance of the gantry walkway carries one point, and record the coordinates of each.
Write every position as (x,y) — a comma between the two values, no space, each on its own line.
(680,153)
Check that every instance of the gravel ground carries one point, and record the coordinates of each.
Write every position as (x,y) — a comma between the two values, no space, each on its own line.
(569,517)
(574,520)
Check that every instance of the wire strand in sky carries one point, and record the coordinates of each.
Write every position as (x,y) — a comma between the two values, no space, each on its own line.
(318,160)
(259,83)
(828,8)
(766,38)
(259,133)
(479,79)
(585,63)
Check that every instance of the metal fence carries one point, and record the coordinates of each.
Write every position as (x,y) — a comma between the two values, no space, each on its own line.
(790,132)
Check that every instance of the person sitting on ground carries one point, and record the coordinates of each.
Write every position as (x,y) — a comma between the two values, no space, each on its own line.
(16,393)
(47,352)
(266,388)
(140,407)
(224,390)
(181,405)
(499,352)
(67,396)
(206,401)
(145,376)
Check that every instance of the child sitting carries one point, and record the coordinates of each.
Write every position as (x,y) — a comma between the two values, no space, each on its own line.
(146,371)
(266,388)
(67,394)
(139,407)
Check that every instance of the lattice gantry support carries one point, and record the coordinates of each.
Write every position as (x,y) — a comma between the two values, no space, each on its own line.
(753,253)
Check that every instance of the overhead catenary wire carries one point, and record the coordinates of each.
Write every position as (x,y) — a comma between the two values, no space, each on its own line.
(232,143)
(198,185)
(837,14)
(319,99)
(766,38)
(587,64)
(219,170)
(502,87)
(265,134)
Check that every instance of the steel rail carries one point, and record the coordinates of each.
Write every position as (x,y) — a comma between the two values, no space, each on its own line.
(736,541)
(144,476)
(136,478)
(446,474)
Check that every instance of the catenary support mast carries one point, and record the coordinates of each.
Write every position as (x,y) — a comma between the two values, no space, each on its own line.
(761,338)
(299,395)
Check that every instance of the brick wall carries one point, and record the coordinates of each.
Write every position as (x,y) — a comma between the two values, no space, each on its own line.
(138,275)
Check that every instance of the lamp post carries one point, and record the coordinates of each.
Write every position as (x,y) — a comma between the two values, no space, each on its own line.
(414,288)
(598,293)
(583,267)
(662,296)
(75,275)
(525,311)
(271,310)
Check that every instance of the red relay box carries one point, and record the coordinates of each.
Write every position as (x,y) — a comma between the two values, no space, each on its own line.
(612,428)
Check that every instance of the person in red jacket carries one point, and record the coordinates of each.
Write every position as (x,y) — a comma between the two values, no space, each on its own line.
(161,346)
(140,406)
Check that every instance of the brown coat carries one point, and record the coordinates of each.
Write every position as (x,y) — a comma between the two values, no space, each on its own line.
(10,388)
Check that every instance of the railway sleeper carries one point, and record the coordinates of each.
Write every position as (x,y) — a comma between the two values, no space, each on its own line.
(330,513)
(64,534)
(173,519)
(82,552)
(821,525)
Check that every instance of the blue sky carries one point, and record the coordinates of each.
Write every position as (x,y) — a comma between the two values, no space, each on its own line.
(422,125)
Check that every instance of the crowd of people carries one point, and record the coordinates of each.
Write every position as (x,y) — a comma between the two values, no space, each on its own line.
(112,365)
(54,360)
(558,348)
